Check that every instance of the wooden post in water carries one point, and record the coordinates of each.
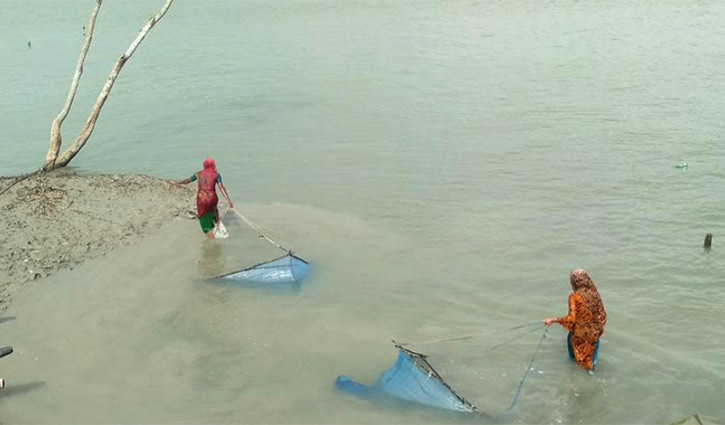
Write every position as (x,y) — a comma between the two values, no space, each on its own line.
(708,240)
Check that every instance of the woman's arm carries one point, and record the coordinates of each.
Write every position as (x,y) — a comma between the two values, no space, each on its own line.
(568,320)
(186,180)
(226,195)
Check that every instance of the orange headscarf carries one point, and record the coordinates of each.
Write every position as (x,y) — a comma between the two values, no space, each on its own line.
(582,284)
(586,318)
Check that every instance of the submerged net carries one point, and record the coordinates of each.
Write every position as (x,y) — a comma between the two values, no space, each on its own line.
(412,379)
(285,272)
(288,269)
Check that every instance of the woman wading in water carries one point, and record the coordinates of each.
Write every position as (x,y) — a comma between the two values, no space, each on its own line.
(206,197)
(585,321)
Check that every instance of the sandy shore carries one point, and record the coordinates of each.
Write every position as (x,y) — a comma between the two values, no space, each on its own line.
(57,220)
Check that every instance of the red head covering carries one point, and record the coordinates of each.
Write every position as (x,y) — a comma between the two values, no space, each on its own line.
(206,199)
(210,164)
(208,176)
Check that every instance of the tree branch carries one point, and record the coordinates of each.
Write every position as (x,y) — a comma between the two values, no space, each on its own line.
(55,136)
(90,124)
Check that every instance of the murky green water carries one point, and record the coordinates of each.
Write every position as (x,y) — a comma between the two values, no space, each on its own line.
(443,165)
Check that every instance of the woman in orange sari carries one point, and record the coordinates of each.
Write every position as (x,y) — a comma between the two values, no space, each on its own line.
(585,321)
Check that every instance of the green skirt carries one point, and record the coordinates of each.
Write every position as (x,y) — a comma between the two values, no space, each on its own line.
(207,222)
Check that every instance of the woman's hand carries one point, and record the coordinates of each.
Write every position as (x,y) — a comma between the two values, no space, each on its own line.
(549,321)
(230,203)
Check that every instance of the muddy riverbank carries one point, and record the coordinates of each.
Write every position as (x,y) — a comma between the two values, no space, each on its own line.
(57,220)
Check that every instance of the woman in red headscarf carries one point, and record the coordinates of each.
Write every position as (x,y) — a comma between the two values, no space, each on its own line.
(206,198)
(585,321)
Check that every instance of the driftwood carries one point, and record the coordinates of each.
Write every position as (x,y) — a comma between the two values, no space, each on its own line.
(55,137)
(52,160)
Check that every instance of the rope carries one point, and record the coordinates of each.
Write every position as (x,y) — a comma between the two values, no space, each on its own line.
(259,230)
(514,338)
(463,338)
(528,369)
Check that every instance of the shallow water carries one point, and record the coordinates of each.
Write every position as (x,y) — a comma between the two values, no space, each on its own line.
(442,166)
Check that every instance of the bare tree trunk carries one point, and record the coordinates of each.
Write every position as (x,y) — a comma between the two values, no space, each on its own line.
(55,136)
(90,124)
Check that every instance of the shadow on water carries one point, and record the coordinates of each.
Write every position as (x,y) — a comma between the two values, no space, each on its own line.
(20,389)
(6,319)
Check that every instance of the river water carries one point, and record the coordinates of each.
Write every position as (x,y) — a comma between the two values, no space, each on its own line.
(442,164)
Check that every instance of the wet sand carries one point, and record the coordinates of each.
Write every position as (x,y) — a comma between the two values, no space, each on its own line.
(57,220)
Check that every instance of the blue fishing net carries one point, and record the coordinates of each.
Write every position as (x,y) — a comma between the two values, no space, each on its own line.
(413,379)
(284,272)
